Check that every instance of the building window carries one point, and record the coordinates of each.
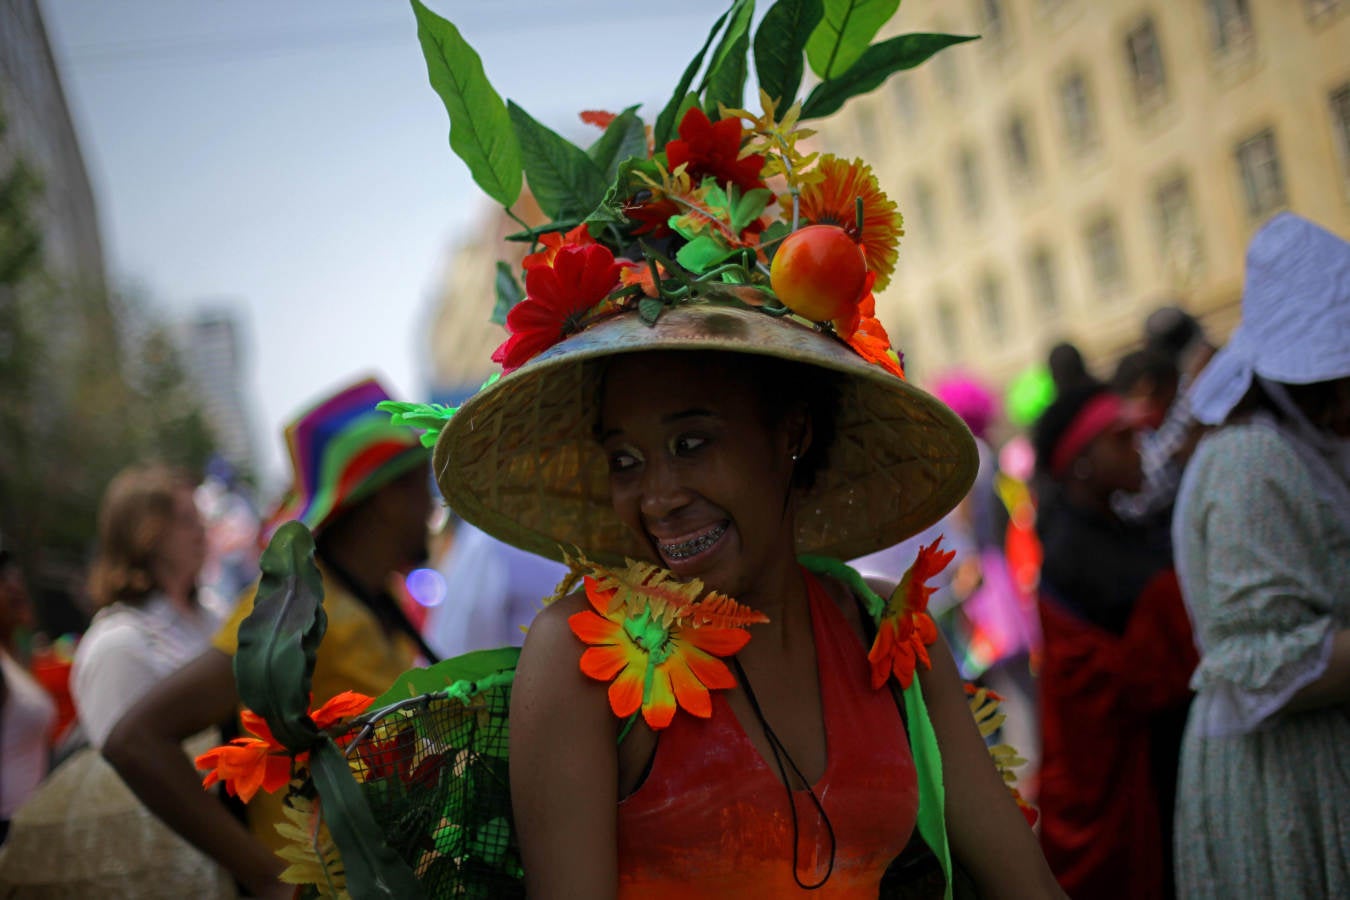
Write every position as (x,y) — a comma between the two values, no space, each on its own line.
(968,176)
(906,102)
(925,206)
(1144,56)
(1178,233)
(1340,125)
(991,307)
(1044,284)
(1080,126)
(1021,156)
(1262,181)
(1230,25)
(1103,244)
(949,324)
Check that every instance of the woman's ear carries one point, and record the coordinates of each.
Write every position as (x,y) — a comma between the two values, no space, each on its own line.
(799,433)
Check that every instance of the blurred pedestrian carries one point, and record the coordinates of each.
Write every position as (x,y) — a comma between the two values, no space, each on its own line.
(1262,531)
(27,714)
(1117,657)
(360,484)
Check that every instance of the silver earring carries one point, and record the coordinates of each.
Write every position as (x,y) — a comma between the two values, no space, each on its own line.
(794,457)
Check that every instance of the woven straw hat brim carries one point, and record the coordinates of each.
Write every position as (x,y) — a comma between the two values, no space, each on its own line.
(520,461)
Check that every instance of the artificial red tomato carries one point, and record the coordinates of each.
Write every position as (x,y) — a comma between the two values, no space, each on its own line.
(819,272)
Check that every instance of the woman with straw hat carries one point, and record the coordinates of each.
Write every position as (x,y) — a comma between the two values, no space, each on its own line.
(700,411)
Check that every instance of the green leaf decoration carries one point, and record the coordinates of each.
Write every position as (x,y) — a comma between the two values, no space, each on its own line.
(429,418)
(474,666)
(564,180)
(480,130)
(669,118)
(372,868)
(623,186)
(625,137)
(279,639)
(509,292)
(703,252)
(844,32)
(530,235)
(779,44)
(650,309)
(878,63)
(724,82)
(773,235)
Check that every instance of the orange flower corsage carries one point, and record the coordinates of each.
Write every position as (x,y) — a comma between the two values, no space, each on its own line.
(905,629)
(656,640)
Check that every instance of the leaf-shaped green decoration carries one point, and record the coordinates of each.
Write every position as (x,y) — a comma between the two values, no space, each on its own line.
(669,117)
(879,63)
(622,187)
(480,130)
(429,418)
(564,180)
(279,639)
(725,81)
(625,137)
(650,309)
(466,667)
(779,44)
(372,868)
(844,32)
(508,292)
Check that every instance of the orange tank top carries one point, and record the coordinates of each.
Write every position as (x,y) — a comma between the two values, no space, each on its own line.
(712,818)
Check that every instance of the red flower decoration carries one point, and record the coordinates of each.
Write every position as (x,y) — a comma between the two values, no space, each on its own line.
(714,148)
(905,629)
(558,293)
(867,336)
(652,216)
(598,117)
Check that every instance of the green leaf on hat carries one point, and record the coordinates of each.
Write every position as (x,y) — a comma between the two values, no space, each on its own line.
(430,418)
(625,137)
(669,118)
(480,130)
(564,180)
(624,184)
(703,252)
(878,63)
(773,235)
(779,43)
(650,309)
(724,82)
(844,32)
(279,639)
(508,290)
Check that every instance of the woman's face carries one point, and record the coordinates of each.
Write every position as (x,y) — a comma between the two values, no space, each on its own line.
(1115,461)
(694,470)
(182,549)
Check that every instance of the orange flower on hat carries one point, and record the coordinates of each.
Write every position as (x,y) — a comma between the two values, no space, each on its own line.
(558,294)
(832,199)
(714,149)
(553,242)
(906,629)
(868,338)
(657,643)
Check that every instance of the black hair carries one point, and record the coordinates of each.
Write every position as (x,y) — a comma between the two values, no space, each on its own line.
(1066,366)
(1171,330)
(1057,418)
(1155,365)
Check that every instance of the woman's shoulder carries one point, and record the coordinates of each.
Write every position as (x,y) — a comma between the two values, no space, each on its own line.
(1248,454)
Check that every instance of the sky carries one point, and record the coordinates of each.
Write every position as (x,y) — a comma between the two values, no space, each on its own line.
(290,160)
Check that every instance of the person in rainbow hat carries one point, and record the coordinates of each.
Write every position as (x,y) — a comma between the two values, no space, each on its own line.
(360,484)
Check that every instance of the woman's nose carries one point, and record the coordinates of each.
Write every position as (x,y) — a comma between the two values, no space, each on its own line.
(663,490)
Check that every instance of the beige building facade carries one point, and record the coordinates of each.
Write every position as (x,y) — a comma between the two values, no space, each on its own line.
(1083,163)
(1089,160)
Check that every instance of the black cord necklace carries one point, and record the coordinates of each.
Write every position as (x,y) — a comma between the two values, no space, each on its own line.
(779,754)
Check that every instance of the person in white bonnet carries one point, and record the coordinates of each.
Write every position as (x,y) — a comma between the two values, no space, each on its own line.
(1262,536)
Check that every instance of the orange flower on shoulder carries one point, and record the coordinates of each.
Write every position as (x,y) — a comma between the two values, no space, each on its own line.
(832,199)
(657,642)
(905,629)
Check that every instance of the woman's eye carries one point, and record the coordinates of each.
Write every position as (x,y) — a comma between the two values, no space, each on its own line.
(689,443)
(621,461)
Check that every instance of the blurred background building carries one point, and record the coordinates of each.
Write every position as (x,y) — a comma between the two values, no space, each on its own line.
(212,343)
(1080,165)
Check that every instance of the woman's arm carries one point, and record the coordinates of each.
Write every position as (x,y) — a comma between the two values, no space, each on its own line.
(987,832)
(145,747)
(564,766)
(1332,687)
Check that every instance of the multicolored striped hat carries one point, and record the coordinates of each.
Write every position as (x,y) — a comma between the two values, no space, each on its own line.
(342,450)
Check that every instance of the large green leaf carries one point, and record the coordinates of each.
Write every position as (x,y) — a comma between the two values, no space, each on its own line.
(779,44)
(844,32)
(508,292)
(372,868)
(564,180)
(877,64)
(625,137)
(480,130)
(667,121)
(466,667)
(725,80)
(279,639)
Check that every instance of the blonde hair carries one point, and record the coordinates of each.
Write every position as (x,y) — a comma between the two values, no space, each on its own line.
(134,517)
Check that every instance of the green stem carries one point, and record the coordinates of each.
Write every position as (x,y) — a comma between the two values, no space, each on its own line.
(318,850)
(534,235)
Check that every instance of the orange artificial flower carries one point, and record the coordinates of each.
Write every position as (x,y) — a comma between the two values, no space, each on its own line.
(832,199)
(598,117)
(905,629)
(657,643)
(553,242)
(640,273)
(868,337)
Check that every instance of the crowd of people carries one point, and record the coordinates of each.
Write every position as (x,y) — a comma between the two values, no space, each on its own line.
(792,587)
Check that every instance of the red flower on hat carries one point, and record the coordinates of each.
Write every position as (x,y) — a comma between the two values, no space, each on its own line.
(555,241)
(867,336)
(558,294)
(714,148)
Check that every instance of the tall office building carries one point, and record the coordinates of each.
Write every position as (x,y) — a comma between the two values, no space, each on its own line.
(211,346)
